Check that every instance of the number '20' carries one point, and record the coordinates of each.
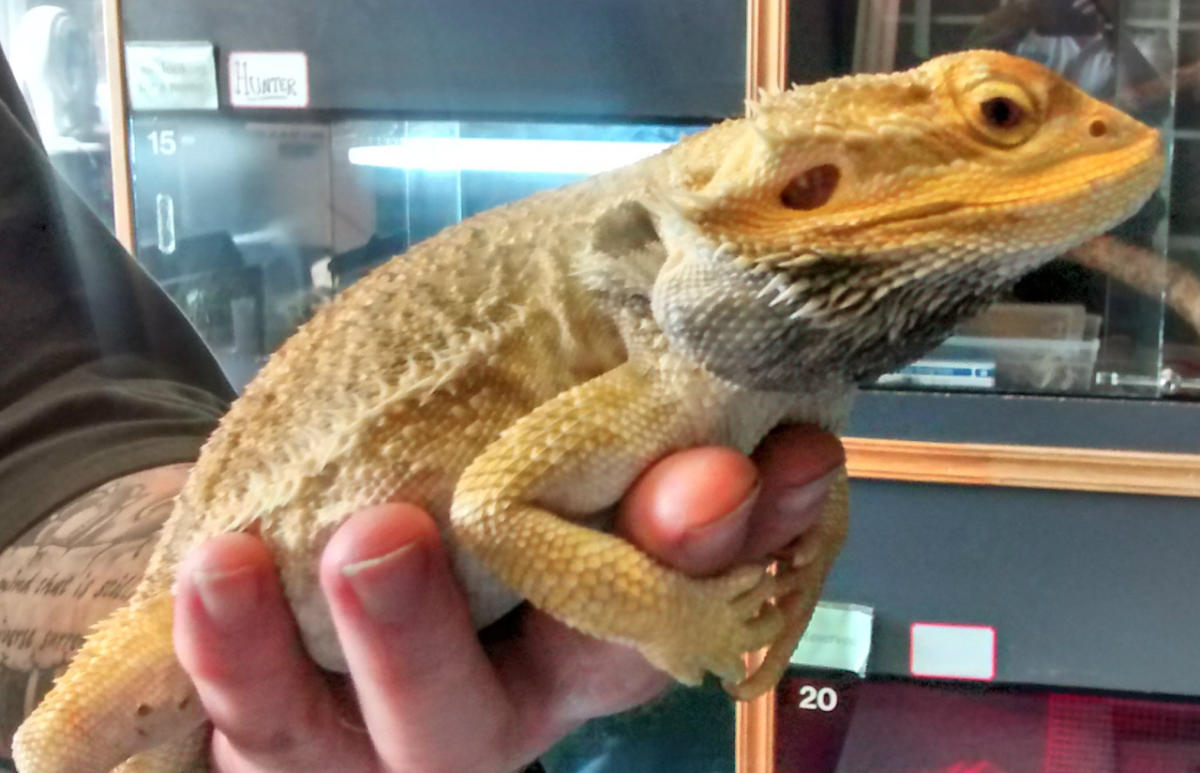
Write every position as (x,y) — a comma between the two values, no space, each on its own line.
(818,698)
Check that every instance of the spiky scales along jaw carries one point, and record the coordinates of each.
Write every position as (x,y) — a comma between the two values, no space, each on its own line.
(865,259)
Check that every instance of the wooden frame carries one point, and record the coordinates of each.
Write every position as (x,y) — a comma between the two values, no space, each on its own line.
(766,70)
(766,46)
(118,124)
(1044,467)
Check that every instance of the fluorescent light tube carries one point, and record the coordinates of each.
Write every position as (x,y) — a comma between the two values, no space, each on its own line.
(494,155)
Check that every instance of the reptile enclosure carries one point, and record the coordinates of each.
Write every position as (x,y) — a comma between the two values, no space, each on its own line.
(1036,478)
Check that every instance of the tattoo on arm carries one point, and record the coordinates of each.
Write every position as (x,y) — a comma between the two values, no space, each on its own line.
(66,573)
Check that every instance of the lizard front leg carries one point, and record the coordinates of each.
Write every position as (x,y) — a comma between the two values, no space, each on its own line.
(575,455)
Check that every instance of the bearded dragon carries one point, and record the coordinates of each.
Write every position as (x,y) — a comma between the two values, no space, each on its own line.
(515,373)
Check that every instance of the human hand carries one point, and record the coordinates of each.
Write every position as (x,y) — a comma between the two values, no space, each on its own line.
(424,694)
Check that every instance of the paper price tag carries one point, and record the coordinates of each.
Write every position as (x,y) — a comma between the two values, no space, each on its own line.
(838,636)
(171,76)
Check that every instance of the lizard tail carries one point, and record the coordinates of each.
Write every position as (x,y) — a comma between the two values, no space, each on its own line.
(135,696)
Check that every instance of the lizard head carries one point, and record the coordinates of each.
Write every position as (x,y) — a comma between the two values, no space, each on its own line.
(845,227)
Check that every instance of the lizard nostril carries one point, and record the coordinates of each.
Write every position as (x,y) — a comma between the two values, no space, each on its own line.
(811,188)
(1098,128)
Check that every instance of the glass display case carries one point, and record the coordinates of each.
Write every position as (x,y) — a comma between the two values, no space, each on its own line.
(372,187)
(908,727)
(412,118)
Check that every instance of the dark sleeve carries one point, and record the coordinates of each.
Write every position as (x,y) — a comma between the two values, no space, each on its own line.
(100,374)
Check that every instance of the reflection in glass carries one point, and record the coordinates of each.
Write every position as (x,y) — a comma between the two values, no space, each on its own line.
(1141,57)
(56,52)
(251,226)
(165,219)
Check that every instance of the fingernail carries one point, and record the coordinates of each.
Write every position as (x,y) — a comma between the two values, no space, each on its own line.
(734,519)
(706,544)
(802,502)
(388,586)
(230,596)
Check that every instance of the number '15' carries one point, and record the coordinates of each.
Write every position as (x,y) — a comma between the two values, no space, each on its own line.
(162,142)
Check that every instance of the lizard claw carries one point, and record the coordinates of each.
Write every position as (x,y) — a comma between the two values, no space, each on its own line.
(752,607)
(716,620)
(796,610)
(799,576)
(801,551)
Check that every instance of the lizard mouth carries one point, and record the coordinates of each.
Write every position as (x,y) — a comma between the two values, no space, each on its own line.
(902,215)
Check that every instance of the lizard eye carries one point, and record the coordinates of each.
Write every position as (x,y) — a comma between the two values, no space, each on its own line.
(1000,113)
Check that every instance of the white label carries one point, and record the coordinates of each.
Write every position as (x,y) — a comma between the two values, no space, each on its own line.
(949,651)
(171,76)
(838,636)
(978,374)
(268,79)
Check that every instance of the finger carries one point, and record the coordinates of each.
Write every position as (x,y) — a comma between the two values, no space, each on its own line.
(691,510)
(696,510)
(235,637)
(421,677)
(797,464)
